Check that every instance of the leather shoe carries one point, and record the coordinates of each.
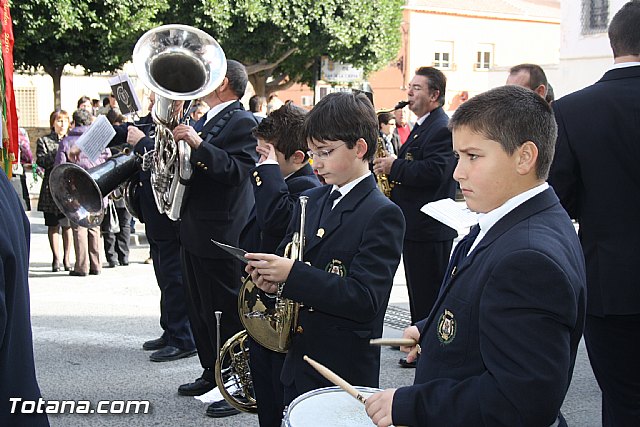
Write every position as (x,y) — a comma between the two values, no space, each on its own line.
(170,353)
(76,273)
(221,409)
(403,362)
(94,272)
(124,263)
(196,388)
(156,344)
(112,264)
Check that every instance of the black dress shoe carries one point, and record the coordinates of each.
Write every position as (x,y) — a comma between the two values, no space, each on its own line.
(403,362)
(156,344)
(112,264)
(124,263)
(170,353)
(221,409)
(55,267)
(67,267)
(76,273)
(94,272)
(196,388)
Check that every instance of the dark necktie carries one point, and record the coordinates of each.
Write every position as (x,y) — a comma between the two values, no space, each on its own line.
(328,204)
(462,248)
(197,126)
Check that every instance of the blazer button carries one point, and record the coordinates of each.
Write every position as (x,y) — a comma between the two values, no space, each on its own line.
(255,173)
(299,329)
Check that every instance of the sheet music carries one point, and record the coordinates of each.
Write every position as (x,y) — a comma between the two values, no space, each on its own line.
(453,214)
(96,138)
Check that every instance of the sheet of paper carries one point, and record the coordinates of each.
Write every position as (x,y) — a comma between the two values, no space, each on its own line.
(236,252)
(96,138)
(451,213)
(122,89)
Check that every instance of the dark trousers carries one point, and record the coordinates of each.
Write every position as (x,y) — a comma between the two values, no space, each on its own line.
(211,285)
(116,246)
(425,264)
(613,344)
(174,320)
(266,366)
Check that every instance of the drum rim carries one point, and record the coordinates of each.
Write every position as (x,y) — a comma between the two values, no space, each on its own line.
(323,390)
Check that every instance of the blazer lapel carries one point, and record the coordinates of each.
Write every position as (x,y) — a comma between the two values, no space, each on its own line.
(539,202)
(333,221)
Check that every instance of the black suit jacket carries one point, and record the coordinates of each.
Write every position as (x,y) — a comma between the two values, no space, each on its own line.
(595,174)
(499,346)
(423,173)
(17,370)
(354,255)
(275,199)
(219,196)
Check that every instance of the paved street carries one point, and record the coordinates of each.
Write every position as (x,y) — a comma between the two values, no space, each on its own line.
(88,333)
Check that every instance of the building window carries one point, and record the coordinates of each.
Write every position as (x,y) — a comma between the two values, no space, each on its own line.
(27,103)
(484,57)
(595,16)
(443,55)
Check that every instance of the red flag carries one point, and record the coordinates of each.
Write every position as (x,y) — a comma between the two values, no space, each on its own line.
(9,98)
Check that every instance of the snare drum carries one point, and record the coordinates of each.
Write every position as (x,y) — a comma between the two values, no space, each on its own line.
(330,406)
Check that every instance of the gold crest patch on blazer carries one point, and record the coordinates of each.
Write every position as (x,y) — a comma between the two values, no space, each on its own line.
(447,327)
(336,267)
(408,156)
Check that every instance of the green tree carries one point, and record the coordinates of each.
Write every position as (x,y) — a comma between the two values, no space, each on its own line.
(98,35)
(281,41)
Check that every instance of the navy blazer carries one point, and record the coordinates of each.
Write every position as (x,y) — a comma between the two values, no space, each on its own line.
(499,346)
(17,370)
(354,255)
(219,196)
(595,174)
(423,173)
(276,199)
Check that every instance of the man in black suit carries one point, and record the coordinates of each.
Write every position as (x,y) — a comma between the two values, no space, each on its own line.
(17,369)
(216,207)
(595,175)
(176,341)
(422,173)
(499,346)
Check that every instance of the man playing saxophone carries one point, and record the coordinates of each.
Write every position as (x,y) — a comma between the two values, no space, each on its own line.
(353,244)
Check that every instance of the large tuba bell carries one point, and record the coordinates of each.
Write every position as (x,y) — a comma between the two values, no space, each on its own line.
(178,63)
(79,193)
(272,322)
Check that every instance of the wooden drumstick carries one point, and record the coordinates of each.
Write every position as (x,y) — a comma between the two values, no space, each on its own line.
(335,379)
(407,342)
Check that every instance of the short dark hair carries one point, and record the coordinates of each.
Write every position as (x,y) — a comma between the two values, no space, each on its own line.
(537,76)
(437,81)
(624,30)
(54,117)
(238,78)
(343,116)
(383,118)
(550,95)
(82,117)
(511,115)
(283,129)
(82,100)
(113,116)
(105,101)
(255,102)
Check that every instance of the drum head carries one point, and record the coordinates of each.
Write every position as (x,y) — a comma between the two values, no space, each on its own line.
(329,406)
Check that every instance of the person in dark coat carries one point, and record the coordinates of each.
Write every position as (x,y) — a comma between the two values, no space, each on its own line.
(500,344)
(595,175)
(17,368)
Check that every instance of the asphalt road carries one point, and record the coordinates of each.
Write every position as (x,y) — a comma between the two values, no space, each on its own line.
(88,333)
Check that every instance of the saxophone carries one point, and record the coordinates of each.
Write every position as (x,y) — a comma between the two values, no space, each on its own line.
(383,180)
(273,323)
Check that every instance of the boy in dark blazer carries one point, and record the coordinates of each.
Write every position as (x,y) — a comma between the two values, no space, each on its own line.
(282,173)
(353,245)
(499,346)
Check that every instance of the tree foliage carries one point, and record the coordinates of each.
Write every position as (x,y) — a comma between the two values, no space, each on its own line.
(280,41)
(98,35)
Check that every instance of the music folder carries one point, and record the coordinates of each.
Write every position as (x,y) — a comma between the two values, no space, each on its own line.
(236,252)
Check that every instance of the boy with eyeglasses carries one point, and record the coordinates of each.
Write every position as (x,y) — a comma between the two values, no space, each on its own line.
(353,242)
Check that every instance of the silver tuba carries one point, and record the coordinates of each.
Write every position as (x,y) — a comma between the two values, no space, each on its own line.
(179,63)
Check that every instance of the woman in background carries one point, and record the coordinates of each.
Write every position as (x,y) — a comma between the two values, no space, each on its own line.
(46,150)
